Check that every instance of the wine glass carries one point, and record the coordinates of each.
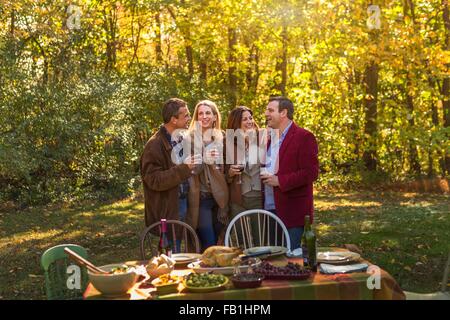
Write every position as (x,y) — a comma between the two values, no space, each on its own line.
(196,158)
(240,166)
(212,155)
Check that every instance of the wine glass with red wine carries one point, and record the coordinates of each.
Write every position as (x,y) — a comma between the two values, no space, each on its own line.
(240,166)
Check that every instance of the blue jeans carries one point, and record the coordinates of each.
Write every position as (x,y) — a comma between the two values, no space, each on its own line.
(295,234)
(208,208)
(182,209)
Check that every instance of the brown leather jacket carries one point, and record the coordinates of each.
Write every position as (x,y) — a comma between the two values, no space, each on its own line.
(161,179)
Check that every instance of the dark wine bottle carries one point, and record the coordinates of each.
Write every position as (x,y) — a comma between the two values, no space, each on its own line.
(164,245)
(309,246)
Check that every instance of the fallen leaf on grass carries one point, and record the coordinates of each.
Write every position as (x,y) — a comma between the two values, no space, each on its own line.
(34,276)
(408,268)
(364,232)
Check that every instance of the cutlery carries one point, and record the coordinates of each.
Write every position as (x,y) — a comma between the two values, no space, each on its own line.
(83,262)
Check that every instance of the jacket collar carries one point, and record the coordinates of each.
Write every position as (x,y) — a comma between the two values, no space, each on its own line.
(163,135)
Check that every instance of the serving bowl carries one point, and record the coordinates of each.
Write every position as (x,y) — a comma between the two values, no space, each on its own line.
(247,280)
(167,288)
(113,284)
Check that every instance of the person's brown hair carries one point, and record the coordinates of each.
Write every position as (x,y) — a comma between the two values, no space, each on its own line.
(284,103)
(171,108)
(235,117)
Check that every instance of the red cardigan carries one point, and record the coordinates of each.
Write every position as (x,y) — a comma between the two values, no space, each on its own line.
(298,169)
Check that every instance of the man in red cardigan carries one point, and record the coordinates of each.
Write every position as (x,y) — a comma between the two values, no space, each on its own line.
(288,192)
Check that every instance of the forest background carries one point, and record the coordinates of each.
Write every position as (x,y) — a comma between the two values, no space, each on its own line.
(82,83)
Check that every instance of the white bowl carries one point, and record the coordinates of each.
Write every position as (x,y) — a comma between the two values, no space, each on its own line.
(113,284)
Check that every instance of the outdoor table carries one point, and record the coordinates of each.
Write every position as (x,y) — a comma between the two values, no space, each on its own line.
(351,286)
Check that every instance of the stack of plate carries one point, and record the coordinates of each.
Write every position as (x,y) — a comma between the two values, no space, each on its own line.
(338,257)
(265,252)
(185,258)
(198,268)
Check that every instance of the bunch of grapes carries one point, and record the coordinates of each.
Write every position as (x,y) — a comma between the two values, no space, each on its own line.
(291,269)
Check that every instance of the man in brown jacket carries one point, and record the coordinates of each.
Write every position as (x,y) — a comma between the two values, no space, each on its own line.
(164,181)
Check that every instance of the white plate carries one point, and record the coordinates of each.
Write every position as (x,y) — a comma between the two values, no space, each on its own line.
(337,257)
(195,266)
(276,251)
(185,257)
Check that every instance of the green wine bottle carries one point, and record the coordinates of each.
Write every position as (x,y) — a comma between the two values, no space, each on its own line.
(309,246)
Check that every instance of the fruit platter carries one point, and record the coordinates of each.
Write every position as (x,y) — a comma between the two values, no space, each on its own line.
(292,271)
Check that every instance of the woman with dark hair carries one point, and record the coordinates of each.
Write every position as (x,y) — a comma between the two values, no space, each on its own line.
(243,175)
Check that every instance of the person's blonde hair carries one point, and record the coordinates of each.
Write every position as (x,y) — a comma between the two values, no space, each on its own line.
(214,110)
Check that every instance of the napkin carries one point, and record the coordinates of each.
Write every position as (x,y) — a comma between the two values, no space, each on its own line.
(332,269)
(297,253)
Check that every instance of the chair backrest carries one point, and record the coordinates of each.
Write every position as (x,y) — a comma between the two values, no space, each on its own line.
(58,268)
(257,228)
(182,238)
(445,278)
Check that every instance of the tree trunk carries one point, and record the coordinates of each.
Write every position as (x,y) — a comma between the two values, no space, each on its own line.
(13,23)
(44,57)
(110,25)
(435,120)
(232,79)
(189,55)
(186,31)
(445,163)
(413,154)
(370,129)
(257,72)
(409,4)
(281,66)
(250,61)
(158,47)
(135,39)
(408,10)
(203,71)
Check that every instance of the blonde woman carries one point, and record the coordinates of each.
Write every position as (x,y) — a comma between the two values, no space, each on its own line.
(208,192)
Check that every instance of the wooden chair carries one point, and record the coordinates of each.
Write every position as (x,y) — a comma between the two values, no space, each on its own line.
(55,263)
(257,228)
(443,294)
(179,233)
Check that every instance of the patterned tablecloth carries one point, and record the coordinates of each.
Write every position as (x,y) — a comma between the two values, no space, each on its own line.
(353,286)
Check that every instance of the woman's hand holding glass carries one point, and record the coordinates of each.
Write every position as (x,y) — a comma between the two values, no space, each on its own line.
(212,156)
(236,169)
(193,161)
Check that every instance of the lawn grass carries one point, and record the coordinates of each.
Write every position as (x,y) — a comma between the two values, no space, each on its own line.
(406,234)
